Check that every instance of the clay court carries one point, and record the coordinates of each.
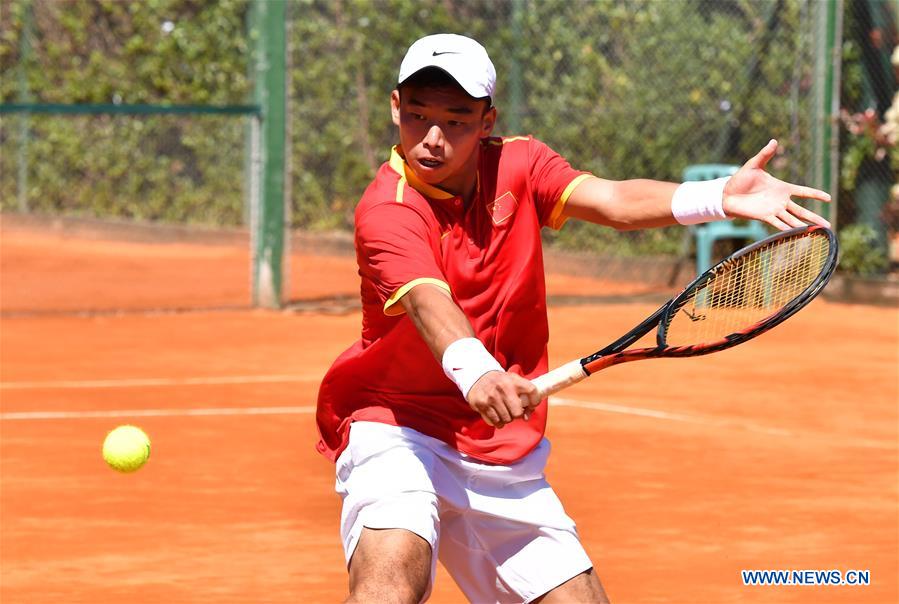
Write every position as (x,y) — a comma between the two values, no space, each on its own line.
(780,454)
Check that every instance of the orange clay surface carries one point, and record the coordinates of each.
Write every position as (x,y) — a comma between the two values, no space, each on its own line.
(779,454)
(51,271)
(107,275)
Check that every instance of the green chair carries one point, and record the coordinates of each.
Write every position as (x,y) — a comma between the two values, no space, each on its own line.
(706,234)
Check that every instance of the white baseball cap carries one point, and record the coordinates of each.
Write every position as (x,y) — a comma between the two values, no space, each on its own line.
(464,59)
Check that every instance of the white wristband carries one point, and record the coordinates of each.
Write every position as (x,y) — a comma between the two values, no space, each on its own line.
(695,202)
(465,361)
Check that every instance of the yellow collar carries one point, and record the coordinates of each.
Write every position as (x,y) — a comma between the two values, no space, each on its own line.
(399,165)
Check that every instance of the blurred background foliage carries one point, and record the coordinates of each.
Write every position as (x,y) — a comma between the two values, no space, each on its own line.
(622,88)
(104,51)
(186,169)
(641,88)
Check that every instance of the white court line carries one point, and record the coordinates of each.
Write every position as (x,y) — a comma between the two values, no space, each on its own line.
(717,421)
(224,411)
(676,417)
(208,412)
(554,401)
(140,382)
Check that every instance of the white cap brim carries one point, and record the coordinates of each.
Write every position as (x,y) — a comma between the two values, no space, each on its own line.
(463,59)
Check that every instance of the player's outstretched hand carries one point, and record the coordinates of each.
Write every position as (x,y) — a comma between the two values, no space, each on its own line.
(753,193)
(500,397)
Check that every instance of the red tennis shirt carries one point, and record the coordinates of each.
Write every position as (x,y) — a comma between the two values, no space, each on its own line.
(489,257)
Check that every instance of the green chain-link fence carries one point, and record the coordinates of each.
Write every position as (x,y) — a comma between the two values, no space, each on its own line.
(99,134)
(183,168)
(623,88)
(869,202)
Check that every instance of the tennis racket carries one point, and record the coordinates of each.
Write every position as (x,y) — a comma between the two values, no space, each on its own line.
(743,296)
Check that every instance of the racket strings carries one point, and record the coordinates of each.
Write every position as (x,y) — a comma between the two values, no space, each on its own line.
(748,289)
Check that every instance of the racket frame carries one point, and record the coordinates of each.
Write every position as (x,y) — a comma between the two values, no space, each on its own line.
(615,353)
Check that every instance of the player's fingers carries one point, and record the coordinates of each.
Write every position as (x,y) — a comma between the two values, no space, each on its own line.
(527,405)
(490,417)
(532,402)
(777,223)
(809,193)
(514,404)
(502,411)
(526,400)
(524,389)
(791,220)
(527,408)
(807,215)
(762,158)
(513,415)
(530,391)
(527,396)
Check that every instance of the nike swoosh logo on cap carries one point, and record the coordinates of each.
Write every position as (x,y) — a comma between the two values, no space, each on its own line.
(446,52)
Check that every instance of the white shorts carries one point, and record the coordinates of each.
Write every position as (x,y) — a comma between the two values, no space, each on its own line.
(499,530)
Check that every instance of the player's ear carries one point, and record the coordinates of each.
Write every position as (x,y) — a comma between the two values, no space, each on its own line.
(395,106)
(488,121)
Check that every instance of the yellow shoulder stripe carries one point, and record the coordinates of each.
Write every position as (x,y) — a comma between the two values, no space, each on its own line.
(509,139)
(400,186)
(398,164)
(392,309)
(556,220)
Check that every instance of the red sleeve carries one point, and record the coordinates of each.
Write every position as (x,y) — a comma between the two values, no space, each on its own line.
(552,180)
(396,250)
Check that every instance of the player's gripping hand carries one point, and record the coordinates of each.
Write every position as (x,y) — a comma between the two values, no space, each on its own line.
(500,397)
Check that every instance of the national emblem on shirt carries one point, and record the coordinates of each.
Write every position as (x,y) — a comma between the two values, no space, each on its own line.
(502,207)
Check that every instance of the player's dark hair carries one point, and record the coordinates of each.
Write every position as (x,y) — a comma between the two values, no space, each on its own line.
(434,77)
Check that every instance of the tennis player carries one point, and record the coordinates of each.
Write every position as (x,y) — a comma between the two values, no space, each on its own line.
(432,421)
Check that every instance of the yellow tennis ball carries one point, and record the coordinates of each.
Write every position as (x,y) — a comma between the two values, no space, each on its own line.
(126,448)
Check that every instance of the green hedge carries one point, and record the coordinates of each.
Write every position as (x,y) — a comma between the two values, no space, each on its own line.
(637,88)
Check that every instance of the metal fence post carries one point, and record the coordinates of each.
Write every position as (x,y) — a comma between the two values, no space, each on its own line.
(516,86)
(268,31)
(24,96)
(826,82)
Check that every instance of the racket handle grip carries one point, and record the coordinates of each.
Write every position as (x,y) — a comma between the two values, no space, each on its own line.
(559,378)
